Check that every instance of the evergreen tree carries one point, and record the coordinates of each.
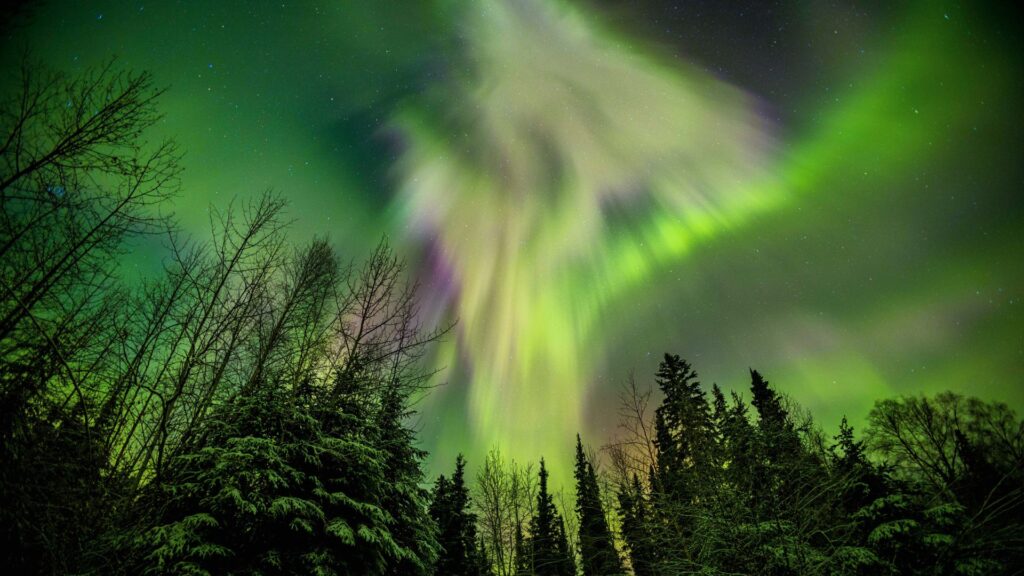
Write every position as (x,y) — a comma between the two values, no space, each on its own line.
(456,524)
(565,554)
(781,442)
(269,491)
(403,498)
(524,554)
(483,567)
(779,454)
(684,438)
(861,482)
(635,528)
(739,449)
(684,429)
(719,420)
(549,551)
(597,549)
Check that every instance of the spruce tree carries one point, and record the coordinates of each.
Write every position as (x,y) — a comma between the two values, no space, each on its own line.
(597,549)
(403,498)
(523,553)
(739,450)
(781,442)
(270,490)
(860,482)
(456,524)
(684,429)
(779,451)
(547,534)
(684,438)
(635,528)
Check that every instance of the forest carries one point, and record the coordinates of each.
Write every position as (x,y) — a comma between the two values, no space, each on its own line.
(248,410)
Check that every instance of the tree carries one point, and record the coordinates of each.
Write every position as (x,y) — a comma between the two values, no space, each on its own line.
(863,483)
(957,463)
(271,491)
(405,501)
(684,438)
(75,185)
(549,550)
(456,524)
(634,518)
(598,556)
(781,441)
(504,496)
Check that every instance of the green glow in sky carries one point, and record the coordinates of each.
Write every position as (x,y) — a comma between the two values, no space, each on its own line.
(555,130)
(562,127)
(585,187)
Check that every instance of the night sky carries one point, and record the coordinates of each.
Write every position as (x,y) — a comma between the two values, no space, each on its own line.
(828,192)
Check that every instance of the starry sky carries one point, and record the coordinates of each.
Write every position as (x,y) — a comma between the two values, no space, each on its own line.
(829,192)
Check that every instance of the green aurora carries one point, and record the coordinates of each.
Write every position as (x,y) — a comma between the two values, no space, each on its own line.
(583,187)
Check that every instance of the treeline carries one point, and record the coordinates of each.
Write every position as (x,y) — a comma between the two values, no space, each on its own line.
(246,411)
(241,412)
(705,484)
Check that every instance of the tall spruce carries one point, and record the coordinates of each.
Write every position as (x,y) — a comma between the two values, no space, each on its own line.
(272,490)
(456,524)
(862,483)
(633,517)
(781,441)
(778,451)
(523,553)
(548,547)
(403,498)
(597,549)
(684,438)
(739,446)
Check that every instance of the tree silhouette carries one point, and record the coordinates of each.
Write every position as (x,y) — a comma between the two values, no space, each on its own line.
(597,548)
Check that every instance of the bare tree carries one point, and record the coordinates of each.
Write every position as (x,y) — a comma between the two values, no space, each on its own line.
(633,450)
(76,181)
(505,494)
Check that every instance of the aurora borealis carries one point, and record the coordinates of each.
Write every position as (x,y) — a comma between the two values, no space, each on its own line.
(828,193)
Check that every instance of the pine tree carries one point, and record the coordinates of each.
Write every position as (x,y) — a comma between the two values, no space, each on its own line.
(861,483)
(597,549)
(269,491)
(781,441)
(524,554)
(739,447)
(719,419)
(403,498)
(550,555)
(456,524)
(684,438)
(684,431)
(483,560)
(779,452)
(567,559)
(635,529)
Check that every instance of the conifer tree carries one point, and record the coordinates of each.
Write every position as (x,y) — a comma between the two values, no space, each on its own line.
(549,551)
(269,491)
(456,524)
(684,430)
(778,452)
(483,560)
(564,553)
(781,442)
(719,418)
(861,482)
(635,529)
(684,438)
(739,449)
(403,498)
(524,555)
(597,549)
